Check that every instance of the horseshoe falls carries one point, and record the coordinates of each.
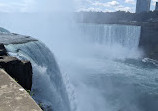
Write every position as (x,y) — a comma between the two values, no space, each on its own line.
(101,70)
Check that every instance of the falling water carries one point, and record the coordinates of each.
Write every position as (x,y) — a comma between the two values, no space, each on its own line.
(48,85)
(125,35)
(104,68)
(108,73)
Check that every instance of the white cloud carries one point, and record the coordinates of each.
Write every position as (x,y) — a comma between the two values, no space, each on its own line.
(90,9)
(35,5)
(123,8)
(93,10)
(107,4)
(130,1)
(113,3)
(18,6)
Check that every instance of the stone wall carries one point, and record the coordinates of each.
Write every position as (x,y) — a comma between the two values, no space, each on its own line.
(13,97)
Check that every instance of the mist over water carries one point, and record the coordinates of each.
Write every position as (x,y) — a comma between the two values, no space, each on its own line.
(101,65)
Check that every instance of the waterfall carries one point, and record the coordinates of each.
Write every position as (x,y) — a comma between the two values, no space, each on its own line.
(48,86)
(109,35)
(111,40)
(103,84)
(97,81)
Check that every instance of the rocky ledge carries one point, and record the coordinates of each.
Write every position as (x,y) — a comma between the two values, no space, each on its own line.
(13,97)
(15,74)
(19,70)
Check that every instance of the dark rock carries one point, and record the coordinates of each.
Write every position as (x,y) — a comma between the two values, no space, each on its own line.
(21,71)
(3,51)
(149,39)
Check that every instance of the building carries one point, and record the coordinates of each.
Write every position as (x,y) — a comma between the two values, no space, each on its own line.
(156,7)
(143,6)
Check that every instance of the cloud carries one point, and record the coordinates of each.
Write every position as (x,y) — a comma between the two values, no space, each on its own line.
(107,4)
(99,5)
(53,5)
(130,1)
(113,3)
(92,9)
(35,5)
(17,6)
(123,8)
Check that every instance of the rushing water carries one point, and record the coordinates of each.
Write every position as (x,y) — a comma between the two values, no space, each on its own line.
(105,72)
(109,73)
(110,35)
(48,86)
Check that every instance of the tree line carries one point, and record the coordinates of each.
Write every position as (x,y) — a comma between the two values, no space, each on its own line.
(116,17)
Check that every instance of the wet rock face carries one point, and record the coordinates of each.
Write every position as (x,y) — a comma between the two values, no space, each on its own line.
(2,50)
(21,71)
(149,39)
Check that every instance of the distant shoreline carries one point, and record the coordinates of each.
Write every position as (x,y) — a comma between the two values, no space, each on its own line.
(119,17)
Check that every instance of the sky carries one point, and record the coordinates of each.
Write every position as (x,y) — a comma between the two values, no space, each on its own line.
(80,5)
(110,5)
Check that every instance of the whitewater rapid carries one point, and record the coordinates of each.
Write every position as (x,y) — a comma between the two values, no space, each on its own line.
(101,69)
(108,72)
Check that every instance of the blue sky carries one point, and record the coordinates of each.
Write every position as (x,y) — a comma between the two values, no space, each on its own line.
(110,5)
(80,5)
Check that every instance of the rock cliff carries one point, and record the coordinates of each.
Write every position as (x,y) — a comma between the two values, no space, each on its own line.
(12,95)
(21,71)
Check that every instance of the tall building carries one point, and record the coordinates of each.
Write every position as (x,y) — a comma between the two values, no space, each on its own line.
(143,6)
(156,7)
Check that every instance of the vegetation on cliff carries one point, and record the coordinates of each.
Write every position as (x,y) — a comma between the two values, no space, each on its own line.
(116,17)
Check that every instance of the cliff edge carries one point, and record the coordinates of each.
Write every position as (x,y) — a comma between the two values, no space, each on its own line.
(21,71)
(15,76)
(13,97)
